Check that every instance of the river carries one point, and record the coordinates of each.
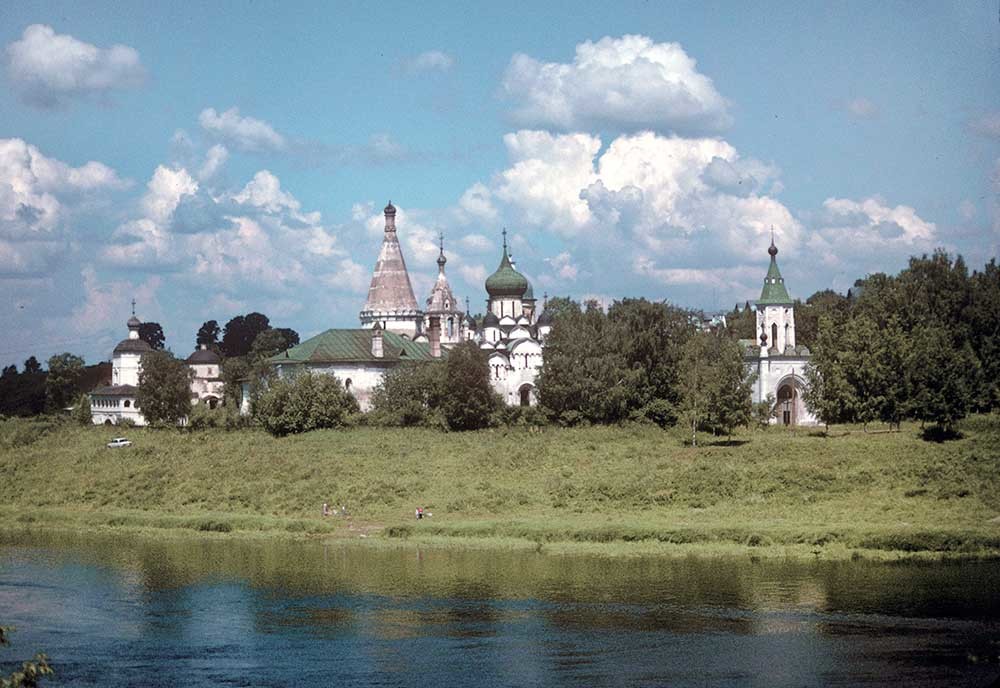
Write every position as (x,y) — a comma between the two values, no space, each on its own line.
(124,611)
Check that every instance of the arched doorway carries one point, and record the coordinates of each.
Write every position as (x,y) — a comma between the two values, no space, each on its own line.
(525,394)
(788,397)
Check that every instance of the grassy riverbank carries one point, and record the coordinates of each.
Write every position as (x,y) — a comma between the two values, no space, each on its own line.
(609,490)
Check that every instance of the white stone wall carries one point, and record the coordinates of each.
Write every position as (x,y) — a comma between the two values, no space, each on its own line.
(113,409)
(783,320)
(204,384)
(363,378)
(507,306)
(511,370)
(775,371)
(125,369)
(406,323)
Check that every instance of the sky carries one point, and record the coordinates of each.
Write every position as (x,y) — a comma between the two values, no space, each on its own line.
(209,161)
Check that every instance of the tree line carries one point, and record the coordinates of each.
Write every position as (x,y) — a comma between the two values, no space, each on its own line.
(921,345)
(243,343)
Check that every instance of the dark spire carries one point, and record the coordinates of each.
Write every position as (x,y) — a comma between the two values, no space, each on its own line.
(772,250)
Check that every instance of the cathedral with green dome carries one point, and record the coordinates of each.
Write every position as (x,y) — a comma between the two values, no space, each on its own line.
(511,334)
(395,330)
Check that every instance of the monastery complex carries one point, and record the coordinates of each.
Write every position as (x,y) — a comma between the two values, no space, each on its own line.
(394,330)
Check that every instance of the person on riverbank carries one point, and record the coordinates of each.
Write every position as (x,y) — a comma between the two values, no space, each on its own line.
(326,509)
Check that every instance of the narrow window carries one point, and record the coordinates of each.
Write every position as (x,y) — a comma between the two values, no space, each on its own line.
(774,334)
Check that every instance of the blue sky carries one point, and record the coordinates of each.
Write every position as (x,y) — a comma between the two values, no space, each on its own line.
(214,160)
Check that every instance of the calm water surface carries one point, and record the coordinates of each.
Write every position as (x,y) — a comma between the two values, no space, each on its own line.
(130,612)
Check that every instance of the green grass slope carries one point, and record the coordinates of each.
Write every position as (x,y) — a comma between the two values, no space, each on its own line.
(616,489)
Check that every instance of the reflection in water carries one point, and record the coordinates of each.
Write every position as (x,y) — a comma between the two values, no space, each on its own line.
(119,611)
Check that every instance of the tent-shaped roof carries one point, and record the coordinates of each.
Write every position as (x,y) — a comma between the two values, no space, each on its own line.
(774,291)
(390,288)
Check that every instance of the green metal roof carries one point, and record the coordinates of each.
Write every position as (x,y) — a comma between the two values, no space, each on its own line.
(355,346)
(774,291)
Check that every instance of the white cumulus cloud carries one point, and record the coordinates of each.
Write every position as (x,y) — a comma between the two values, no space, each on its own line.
(429,61)
(31,184)
(629,83)
(50,70)
(245,133)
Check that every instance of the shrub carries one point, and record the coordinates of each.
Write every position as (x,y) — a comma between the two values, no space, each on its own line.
(470,401)
(520,416)
(202,417)
(81,412)
(306,402)
(164,388)
(410,394)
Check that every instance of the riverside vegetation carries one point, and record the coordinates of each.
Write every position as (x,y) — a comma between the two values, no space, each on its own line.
(612,489)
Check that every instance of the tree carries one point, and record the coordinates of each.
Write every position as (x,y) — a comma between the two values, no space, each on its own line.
(31,672)
(164,388)
(695,382)
(23,394)
(234,372)
(208,335)
(152,334)
(306,402)
(731,387)
(81,412)
(828,395)
(823,303)
(470,400)
(240,333)
(61,383)
(272,341)
(290,335)
(651,338)
(410,394)
(983,317)
(941,377)
(763,411)
(584,377)
(742,324)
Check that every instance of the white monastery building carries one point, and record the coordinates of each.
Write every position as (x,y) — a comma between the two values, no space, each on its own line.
(778,362)
(110,404)
(394,330)
(206,381)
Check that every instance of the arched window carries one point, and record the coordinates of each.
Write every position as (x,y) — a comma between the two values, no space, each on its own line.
(127,403)
(347,384)
(774,334)
(451,327)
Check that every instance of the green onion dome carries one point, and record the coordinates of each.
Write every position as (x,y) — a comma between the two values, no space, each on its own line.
(506,281)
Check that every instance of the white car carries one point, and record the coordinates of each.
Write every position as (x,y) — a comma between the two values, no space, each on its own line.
(119,442)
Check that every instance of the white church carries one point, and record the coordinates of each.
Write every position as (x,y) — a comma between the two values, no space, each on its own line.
(777,361)
(114,403)
(394,329)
